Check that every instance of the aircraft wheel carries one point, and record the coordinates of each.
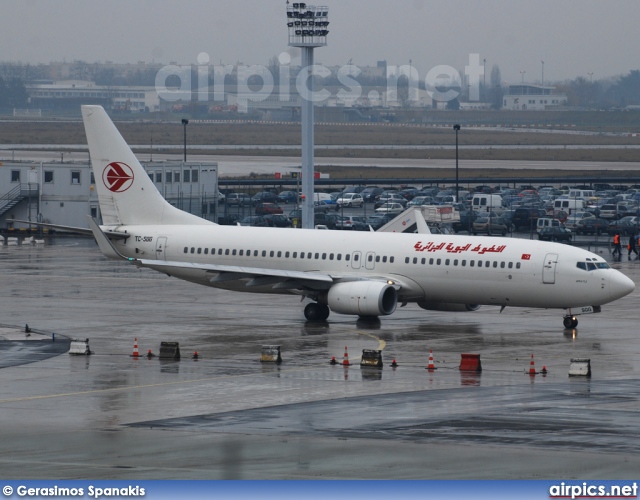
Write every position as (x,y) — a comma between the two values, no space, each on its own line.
(316,312)
(570,322)
(574,322)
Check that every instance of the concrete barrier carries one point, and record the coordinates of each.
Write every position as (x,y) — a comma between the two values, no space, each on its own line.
(580,367)
(470,363)
(79,347)
(271,354)
(169,350)
(371,357)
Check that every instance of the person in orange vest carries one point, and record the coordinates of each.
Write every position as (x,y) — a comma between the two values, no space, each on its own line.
(616,244)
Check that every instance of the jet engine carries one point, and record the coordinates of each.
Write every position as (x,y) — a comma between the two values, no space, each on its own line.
(448,306)
(364,298)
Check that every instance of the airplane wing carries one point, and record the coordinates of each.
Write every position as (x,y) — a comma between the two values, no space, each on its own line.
(73,229)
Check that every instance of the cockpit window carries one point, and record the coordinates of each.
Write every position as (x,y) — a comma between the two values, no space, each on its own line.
(592,266)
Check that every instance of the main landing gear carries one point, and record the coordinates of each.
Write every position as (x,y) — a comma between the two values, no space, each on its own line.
(314,311)
(570,322)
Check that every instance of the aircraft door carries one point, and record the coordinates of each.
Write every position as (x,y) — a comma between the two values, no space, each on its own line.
(370,260)
(549,268)
(355,260)
(161,243)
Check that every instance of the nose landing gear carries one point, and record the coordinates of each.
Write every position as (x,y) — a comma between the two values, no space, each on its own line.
(570,322)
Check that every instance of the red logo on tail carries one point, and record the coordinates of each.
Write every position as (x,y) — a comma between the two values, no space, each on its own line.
(117,177)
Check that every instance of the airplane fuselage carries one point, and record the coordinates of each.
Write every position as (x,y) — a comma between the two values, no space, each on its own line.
(431,268)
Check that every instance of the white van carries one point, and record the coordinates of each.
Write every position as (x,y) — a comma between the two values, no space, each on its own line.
(581,193)
(547,222)
(569,205)
(482,202)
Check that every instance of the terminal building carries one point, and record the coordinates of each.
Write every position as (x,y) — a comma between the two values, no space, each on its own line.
(525,97)
(64,193)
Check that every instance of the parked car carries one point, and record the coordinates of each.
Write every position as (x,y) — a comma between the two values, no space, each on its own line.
(592,225)
(254,220)
(267,208)
(228,220)
(287,197)
(526,218)
(264,197)
(349,200)
(390,208)
(323,219)
(625,226)
(488,225)
(555,234)
(467,218)
(418,201)
(349,221)
(238,199)
(389,197)
(370,194)
(277,220)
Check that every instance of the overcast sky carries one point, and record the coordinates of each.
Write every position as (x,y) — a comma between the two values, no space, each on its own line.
(572,37)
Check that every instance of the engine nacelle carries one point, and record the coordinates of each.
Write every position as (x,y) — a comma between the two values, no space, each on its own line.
(448,306)
(364,298)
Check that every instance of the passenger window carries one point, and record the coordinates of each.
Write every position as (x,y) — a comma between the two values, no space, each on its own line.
(302,255)
(464,263)
(255,253)
(377,258)
(219,251)
(264,253)
(391,259)
(495,263)
(455,262)
(271,253)
(472,263)
(406,260)
(233,252)
(206,251)
(199,251)
(384,258)
(286,255)
(431,262)
(438,261)
(510,265)
(479,263)
(347,257)
(193,250)
(324,256)
(487,264)
(226,252)
(186,249)
(517,265)
(330,256)
(317,255)
(279,254)
(415,260)
(241,253)
(339,256)
(446,262)
(295,254)
(502,264)
(356,257)
(423,261)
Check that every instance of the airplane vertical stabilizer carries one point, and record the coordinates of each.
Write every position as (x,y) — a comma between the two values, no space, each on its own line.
(126,194)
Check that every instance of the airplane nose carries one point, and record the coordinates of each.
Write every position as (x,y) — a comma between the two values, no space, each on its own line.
(620,285)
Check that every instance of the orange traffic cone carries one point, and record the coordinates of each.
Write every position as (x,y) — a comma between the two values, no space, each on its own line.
(149,354)
(544,370)
(135,349)
(333,361)
(532,368)
(345,361)
(431,366)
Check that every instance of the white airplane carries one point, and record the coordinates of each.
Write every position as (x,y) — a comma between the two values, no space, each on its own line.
(359,273)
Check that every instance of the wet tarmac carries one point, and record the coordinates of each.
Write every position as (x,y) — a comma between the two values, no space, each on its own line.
(226,415)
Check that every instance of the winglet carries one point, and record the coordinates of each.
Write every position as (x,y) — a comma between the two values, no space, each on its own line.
(106,247)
